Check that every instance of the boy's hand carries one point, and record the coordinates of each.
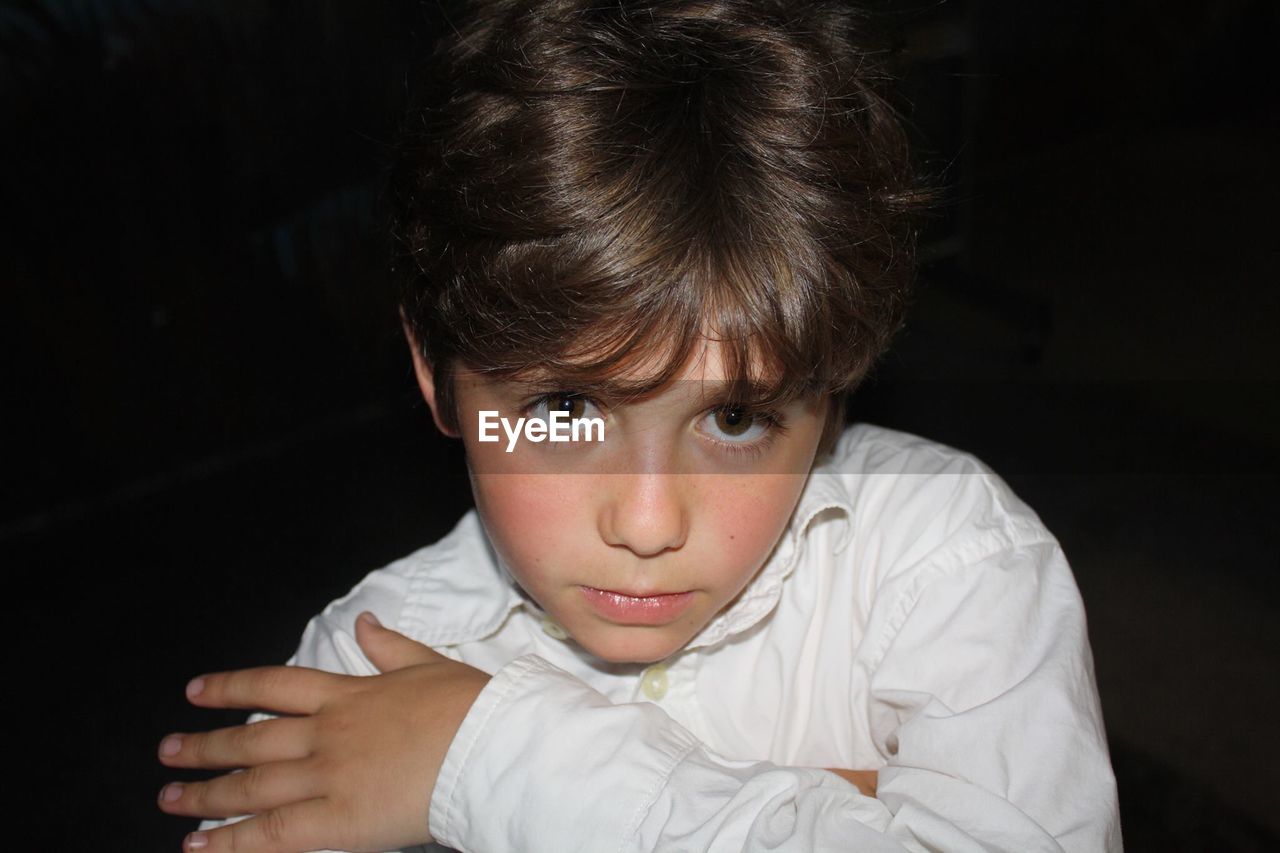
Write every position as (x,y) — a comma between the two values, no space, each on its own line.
(352,769)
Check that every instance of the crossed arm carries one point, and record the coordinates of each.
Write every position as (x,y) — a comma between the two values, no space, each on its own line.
(349,765)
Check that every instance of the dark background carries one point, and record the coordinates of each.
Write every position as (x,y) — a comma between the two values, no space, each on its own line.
(209,425)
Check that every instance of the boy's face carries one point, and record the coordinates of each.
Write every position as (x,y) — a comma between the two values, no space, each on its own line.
(634,543)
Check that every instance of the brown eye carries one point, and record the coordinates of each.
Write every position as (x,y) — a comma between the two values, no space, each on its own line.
(573,405)
(734,421)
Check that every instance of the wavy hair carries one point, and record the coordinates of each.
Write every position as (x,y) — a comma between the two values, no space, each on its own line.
(585,186)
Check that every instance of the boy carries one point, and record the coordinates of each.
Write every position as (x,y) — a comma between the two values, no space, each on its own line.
(730,624)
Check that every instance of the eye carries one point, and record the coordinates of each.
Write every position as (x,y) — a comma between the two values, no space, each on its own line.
(575,406)
(736,424)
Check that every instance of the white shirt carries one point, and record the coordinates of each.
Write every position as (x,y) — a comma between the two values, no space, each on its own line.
(915,617)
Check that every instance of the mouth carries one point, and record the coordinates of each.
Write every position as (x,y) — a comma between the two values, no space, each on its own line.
(625,609)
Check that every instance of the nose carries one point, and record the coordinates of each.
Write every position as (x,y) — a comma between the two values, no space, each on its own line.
(645,513)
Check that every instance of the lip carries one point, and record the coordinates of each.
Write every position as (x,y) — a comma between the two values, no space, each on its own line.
(626,609)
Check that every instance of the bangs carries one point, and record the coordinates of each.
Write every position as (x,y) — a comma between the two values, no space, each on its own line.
(626,336)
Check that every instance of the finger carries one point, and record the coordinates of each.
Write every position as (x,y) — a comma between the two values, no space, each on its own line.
(390,650)
(280,689)
(278,739)
(300,826)
(251,791)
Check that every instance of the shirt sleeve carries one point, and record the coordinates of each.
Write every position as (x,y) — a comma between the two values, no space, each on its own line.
(545,763)
(982,700)
(985,706)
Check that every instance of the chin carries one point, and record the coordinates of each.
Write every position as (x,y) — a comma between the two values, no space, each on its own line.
(635,649)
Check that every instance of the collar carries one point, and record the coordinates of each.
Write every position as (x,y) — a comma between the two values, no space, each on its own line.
(461,591)
(458,589)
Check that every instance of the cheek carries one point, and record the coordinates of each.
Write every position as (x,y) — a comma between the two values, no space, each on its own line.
(745,521)
(533,521)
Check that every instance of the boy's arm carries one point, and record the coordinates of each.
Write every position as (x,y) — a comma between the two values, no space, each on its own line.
(997,748)
(346,741)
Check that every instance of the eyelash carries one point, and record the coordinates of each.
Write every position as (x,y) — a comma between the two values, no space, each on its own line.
(775,428)
(775,424)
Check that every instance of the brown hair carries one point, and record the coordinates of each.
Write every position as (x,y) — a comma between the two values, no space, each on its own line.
(585,185)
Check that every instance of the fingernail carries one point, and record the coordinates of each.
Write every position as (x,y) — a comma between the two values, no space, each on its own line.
(170,746)
(171,792)
(369,619)
(197,841)
(194,687)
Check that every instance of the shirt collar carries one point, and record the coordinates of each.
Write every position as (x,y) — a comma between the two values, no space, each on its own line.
(458,590)
(467,592)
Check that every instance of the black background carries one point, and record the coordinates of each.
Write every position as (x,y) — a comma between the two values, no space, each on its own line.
(210,430)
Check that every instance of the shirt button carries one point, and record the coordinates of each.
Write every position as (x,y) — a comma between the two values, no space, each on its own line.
(553,629)
(653,682)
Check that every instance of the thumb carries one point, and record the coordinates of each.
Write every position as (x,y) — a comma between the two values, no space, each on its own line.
(389,650)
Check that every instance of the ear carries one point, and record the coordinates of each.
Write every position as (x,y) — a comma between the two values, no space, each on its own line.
(426,379)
